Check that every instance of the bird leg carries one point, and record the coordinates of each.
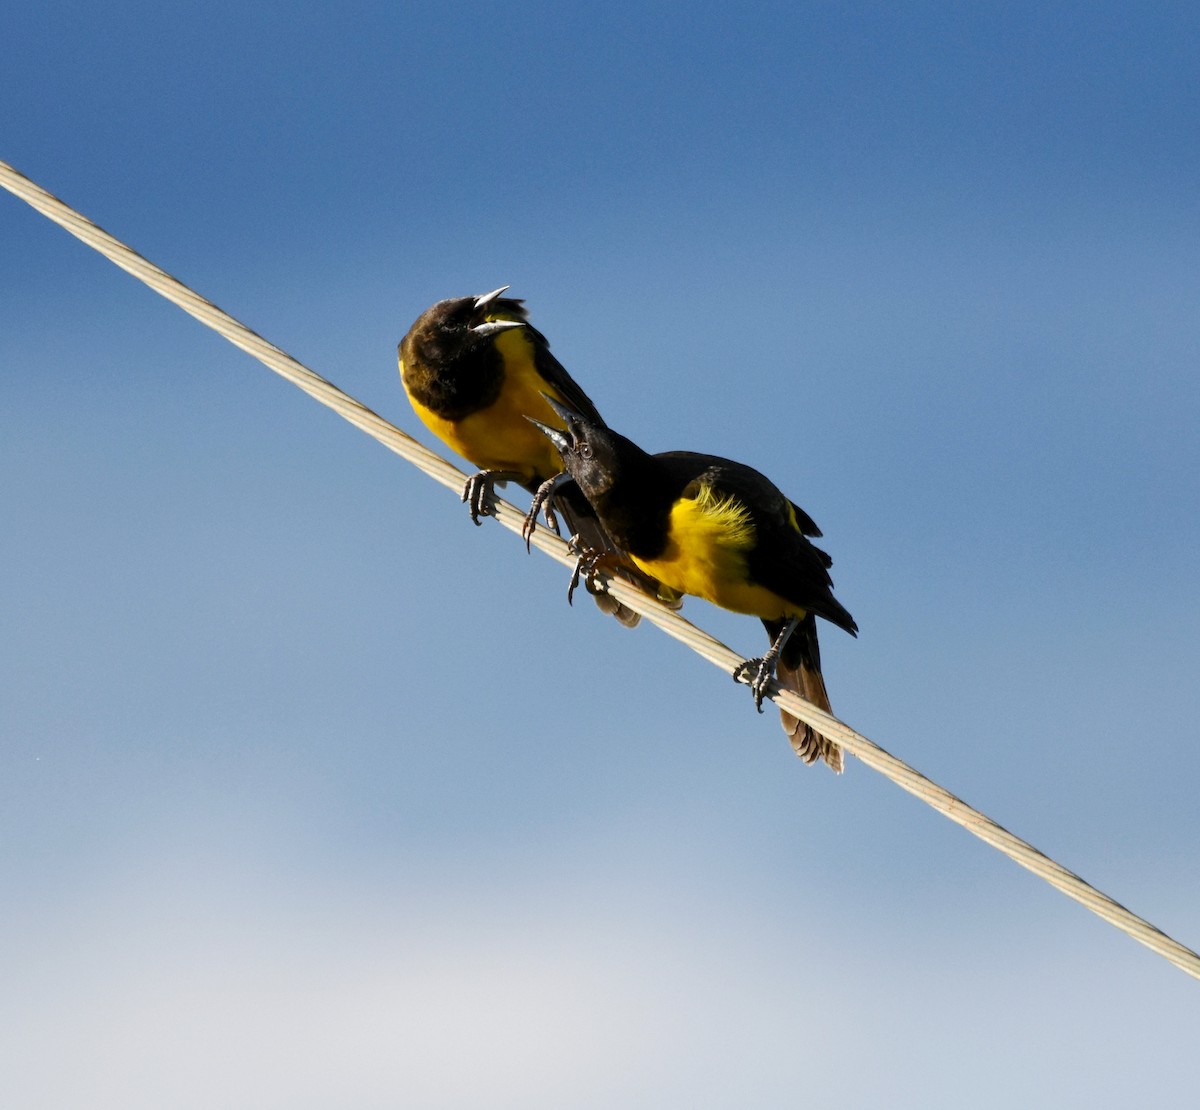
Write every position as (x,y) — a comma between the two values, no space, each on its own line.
(763,668)
(590,562)
(480,491)
(543,499)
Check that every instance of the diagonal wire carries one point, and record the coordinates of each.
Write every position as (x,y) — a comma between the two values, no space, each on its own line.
(670,622)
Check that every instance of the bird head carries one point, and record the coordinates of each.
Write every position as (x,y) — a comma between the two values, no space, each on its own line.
(455,328)
(589,451)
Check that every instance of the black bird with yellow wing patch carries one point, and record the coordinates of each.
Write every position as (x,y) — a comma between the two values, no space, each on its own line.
(719,530)
(474,368)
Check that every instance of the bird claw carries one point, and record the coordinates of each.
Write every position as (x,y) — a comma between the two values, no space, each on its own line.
(480,492)
(757,674)
(543,501)
(763,668)
(587,566)
(478,495)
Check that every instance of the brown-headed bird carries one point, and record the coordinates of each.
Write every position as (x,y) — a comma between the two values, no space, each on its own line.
(474,368)
(719,530)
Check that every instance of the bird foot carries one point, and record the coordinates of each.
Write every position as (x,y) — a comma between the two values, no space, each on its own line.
(590,563)
(543,501)
(479,494)
(757,674)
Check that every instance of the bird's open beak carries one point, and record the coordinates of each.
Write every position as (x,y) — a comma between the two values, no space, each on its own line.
(561,441)
(573,421)
(490,327)
(565,414)
(485,299)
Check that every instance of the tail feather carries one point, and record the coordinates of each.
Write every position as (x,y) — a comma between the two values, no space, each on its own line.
(799,670)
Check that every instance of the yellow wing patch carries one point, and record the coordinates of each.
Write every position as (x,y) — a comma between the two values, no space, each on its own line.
(705,556)
(723,520)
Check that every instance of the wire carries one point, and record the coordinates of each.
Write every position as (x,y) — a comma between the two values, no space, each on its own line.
(669,621)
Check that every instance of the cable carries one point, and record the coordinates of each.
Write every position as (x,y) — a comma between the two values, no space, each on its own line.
(670,622)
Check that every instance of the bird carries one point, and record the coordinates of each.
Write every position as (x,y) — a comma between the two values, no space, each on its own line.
(717,529)
(474,368)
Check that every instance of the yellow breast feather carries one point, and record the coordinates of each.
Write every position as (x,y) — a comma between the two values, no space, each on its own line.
(499,437)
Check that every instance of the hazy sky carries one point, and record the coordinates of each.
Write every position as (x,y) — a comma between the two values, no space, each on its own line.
(314,795)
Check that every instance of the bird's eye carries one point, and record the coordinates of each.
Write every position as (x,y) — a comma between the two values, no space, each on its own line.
(585,450)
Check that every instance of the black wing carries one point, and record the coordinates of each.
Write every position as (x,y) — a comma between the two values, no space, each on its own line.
(555,373)
(782,559)
(548,367)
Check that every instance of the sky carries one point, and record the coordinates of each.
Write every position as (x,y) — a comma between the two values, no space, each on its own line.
(314,795)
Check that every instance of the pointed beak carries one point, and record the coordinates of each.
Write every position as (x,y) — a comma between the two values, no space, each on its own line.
(561,443)
(485,299)
(565,414)
(574,422)
(491,327)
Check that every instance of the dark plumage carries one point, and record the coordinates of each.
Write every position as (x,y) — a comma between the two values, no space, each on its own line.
(720,530)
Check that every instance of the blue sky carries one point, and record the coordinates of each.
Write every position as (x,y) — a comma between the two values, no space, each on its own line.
(315,795)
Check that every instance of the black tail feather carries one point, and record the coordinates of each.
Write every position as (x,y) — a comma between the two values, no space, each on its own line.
(799,670)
